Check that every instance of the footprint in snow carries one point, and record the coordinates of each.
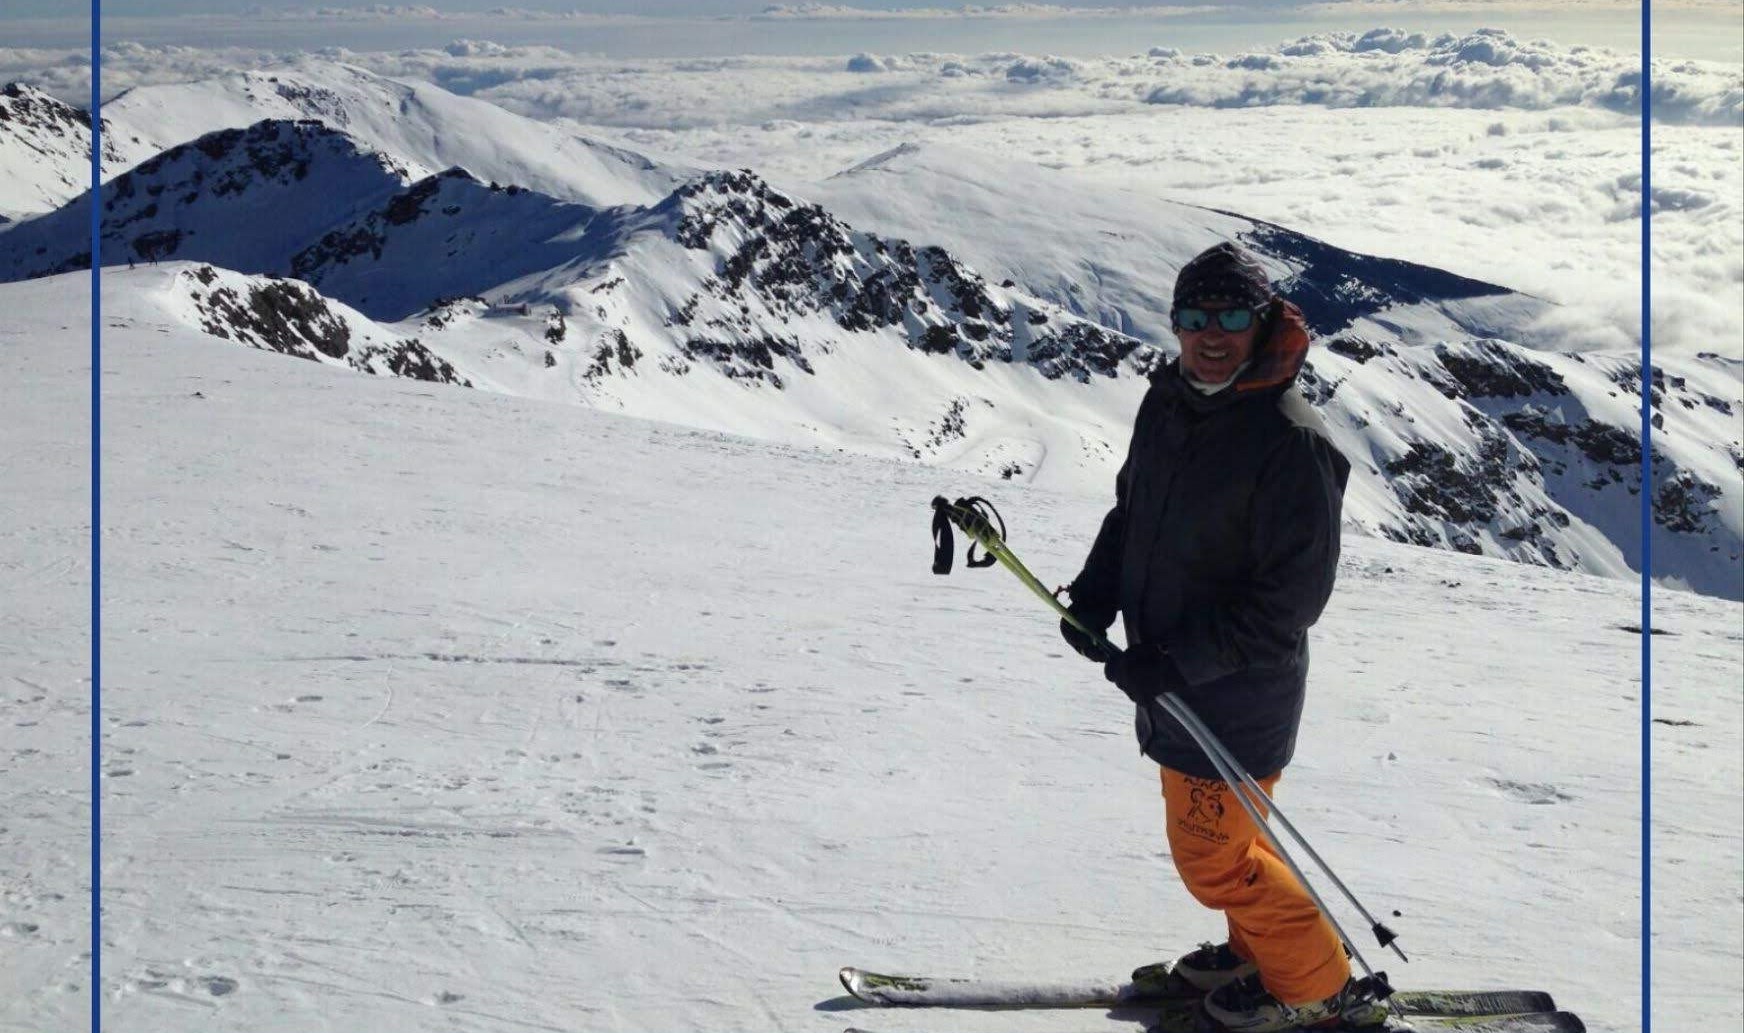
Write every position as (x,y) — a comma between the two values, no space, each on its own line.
(1531,792)
(218,986)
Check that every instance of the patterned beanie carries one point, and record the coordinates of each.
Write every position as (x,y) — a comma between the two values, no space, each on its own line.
(1223,273)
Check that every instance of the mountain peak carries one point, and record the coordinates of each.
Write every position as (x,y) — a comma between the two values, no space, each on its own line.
(17,98)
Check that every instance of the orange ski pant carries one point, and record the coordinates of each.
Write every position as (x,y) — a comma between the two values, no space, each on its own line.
(1228,866)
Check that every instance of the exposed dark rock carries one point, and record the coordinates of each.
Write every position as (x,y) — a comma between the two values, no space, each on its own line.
(409,204)
(409,358)
(1683,503)
(1317,389)
(614,346)
(1434,482)
(1599,442)
(952,426)
(1359,349)
(1491,369)
(1629,378)
(1603,443)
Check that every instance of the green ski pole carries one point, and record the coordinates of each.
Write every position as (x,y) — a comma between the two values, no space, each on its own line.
(975,516)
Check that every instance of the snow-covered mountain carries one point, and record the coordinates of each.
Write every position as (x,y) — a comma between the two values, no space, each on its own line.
(736,306)
(1112,254)
(243,198)
(45,152)
(1486,447)
(445,235)
(416,124)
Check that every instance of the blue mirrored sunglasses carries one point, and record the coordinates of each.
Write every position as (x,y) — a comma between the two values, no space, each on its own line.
(1230,320)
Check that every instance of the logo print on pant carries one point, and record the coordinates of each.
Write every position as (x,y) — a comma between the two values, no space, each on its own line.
(1205,817)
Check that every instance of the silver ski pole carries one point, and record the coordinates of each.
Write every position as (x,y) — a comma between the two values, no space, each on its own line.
(1243,783)
(1203,736)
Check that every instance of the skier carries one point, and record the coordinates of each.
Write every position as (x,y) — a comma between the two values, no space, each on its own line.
(1219,553)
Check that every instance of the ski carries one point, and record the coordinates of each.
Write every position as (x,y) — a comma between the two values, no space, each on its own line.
(1531,1022)
(931,992)
(1192,1020)
(1184,1016)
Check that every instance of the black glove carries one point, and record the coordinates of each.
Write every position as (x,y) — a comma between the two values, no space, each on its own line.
(1144,672)
(1086,646)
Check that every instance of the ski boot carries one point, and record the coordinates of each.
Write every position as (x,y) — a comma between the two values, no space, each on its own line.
(1244,1006)
(1211,966)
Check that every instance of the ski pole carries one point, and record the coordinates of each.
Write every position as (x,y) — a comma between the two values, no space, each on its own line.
(967,514)
(1241,782)
(1195,726)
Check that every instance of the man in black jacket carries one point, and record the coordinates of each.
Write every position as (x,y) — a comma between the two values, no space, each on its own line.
(1219,553)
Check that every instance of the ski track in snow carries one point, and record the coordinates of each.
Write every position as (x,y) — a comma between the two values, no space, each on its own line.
(438,710)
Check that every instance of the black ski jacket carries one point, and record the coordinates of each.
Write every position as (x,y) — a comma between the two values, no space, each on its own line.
(1222,546)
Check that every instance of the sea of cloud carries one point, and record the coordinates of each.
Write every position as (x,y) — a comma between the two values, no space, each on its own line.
(1511,160)
(1484,69)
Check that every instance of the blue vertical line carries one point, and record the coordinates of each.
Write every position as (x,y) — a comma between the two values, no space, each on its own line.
(96,521)
(1646,516)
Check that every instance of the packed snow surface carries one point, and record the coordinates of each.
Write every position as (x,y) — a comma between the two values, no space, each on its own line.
(45,656)
(428,708)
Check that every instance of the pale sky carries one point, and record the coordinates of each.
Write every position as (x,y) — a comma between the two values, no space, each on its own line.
(1707,29)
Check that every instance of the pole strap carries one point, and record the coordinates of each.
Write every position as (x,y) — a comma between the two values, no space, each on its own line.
(965,514)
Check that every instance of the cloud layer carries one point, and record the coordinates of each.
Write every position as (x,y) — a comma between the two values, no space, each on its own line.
(1488,69)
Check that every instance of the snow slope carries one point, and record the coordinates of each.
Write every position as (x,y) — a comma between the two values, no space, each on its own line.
(437,709)
(45,656)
